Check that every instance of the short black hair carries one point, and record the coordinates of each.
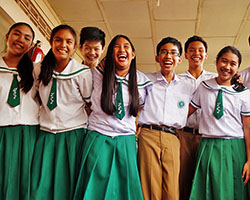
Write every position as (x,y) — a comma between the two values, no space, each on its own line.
(169,40)
(92,34)
(194,39)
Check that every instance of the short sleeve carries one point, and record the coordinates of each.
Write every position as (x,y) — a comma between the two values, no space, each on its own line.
(245,107)
(196,97)
(85,85)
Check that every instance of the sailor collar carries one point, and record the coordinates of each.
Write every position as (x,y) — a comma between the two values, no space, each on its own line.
(213,85)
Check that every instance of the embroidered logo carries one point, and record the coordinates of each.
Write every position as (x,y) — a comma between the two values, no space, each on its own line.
(51,97)
(119,108)
(181,104)
(15,93)
(218,106)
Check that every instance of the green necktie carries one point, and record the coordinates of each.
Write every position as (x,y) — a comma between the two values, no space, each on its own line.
(120,111)
(52,101)
(14,93)
(218,110)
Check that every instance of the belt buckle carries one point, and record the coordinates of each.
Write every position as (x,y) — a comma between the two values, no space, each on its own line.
(194,131)
(170,129)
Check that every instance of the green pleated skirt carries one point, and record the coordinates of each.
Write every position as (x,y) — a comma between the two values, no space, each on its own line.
(108,169)
(218,174)
(54,165)
(16,151)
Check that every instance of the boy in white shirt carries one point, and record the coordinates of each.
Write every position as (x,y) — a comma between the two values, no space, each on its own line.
(196,54)
(165,110)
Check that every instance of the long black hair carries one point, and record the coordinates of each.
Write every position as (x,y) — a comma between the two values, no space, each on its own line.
(25,65)
(49,61)
(109,81)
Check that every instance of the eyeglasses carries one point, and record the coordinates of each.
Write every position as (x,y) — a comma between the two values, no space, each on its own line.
(171,53)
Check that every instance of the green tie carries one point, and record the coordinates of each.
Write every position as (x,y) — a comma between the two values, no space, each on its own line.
(52,96)
(120,111)
(218,110)
(14,93)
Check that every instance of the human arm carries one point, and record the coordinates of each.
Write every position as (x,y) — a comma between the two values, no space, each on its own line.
(191,109)
(246,168)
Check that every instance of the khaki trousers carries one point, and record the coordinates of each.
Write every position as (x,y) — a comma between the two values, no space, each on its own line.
(189,145)
(159,164)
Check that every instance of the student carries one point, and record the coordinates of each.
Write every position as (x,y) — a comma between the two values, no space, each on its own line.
(19,113)
(109,162)
(196,54)
(92,43)
(165,110)
(223,163)
(245,74)
(65,85)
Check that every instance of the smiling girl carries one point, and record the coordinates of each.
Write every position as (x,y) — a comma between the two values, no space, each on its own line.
(223,163)
(19,113)
(65,86)
(108,164)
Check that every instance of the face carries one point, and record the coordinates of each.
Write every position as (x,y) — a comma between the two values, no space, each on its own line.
(63,45)
(91,51)
(19,40)
(123,55)
(168,58)
(196,54)
(227,66)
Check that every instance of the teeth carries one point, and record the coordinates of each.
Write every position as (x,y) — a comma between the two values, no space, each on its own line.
(167,63)
(196,59)
(18,45)
(122,56)
(62,51)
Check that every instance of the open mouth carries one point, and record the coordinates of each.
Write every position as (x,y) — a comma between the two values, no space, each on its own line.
(91,57)
(19,46)
(62,51)
(196,59)
(122,57)
(168,63)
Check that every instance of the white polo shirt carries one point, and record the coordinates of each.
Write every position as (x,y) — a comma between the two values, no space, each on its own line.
(109,124)
(24,114)
(167,103)
(235,104)
(74,86)
(193,120)
(245,75)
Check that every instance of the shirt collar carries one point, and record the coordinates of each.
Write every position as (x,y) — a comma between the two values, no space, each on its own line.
(160,77)
(213,85)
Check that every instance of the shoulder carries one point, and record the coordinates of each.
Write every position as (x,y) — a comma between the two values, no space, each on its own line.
(183,75)
(245,71)
(208,75)
(142,79)
(152,76)
(74,69)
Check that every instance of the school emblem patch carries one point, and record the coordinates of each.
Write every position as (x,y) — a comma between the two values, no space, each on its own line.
(181,104)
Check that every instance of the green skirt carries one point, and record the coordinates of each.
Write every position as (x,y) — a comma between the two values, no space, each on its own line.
(16,151)
(54,165)
(219,170)
(108,169)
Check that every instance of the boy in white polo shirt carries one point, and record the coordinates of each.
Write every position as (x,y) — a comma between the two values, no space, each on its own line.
(196,53)
(165,110)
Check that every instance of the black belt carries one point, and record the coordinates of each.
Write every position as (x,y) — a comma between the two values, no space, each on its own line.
(166,129)
(191,130)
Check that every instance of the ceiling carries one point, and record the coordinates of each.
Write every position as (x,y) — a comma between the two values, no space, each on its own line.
(146,22)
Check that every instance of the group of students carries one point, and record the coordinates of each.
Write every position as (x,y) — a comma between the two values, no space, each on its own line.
(68,130)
